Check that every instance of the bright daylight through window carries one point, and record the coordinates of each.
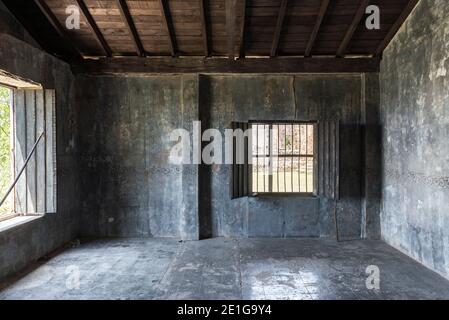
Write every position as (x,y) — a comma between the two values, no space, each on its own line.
(5,151)
(283,158)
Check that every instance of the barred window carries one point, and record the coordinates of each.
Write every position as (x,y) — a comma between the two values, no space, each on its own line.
(283,157)
(27,149)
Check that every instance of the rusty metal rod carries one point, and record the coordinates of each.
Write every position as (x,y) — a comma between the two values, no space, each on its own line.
(21,170)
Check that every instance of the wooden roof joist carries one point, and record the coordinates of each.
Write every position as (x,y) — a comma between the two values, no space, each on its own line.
(167,65)
(213,29)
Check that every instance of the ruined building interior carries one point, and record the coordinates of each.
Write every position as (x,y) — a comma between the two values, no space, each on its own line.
(343,187)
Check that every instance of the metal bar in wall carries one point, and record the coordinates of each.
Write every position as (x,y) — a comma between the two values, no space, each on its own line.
(293,151)
(265,169)
(291,162)
(263,160)
(20,172)
(267,159)
(307,159)
(234,165)
(299,160)
(277,159)
(257,152)
(246,161)
(285,153)
(240,167)
(270,159)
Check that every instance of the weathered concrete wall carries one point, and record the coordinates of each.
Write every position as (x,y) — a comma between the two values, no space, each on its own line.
(130,189)
(129,186)
(415,116)
(231,98)
(21,245)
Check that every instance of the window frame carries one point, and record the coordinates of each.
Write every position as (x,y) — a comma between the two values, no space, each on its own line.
(46,142)
(314,156)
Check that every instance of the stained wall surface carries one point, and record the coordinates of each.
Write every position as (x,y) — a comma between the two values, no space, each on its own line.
(415,119)
(24,244)
(131,189)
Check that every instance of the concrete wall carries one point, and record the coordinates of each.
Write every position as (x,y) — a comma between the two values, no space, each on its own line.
(130,189)
(21,245)
(415,116)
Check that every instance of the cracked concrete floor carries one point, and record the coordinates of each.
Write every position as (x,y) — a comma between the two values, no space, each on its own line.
(227,269)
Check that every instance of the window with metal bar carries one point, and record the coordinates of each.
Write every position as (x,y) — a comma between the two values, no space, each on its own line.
(283,157)
(28,158)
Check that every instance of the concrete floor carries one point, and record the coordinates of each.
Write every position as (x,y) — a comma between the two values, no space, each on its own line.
(227,269)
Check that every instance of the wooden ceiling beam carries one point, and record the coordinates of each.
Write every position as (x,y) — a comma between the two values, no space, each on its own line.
(204,32)
(316,28)
(126,16)
(278,29)
(168,25)
(230,26)
(168,65)
(352,28)
(396,26)
(241,45)
(94,27)
(45,9)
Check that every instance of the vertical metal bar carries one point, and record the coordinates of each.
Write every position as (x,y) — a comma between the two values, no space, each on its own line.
(234,165)
(277,163)
(293,153)
(240,166)
(245,160)
(257,157)
(285,156)
(299,159)
(291,162)
(320,158)
(307,159)
(263,159)
(270,159)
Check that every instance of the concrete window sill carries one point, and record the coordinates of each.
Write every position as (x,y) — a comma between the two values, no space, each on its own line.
(16,222)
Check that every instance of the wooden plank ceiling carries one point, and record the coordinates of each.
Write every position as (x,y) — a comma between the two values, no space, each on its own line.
(212,28)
